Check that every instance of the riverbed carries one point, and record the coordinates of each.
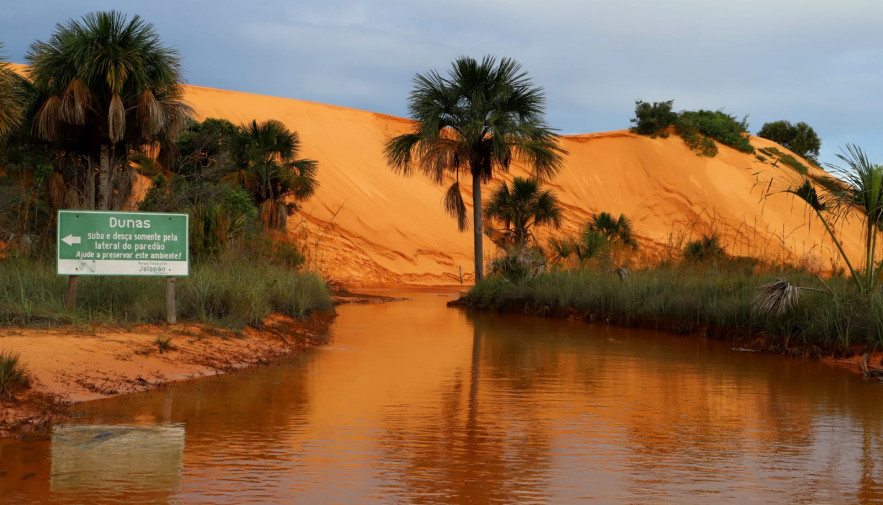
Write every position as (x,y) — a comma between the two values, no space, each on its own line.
(414,402)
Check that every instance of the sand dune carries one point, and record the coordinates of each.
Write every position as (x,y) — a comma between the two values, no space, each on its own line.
(369,226)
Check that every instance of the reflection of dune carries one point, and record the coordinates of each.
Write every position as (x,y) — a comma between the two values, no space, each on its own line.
(123,458)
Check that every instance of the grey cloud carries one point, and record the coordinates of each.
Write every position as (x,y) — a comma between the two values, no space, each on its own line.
(817,61)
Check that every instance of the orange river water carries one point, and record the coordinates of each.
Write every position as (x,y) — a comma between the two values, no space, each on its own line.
(414,402)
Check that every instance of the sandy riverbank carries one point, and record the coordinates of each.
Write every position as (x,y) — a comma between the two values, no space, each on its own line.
(70,364)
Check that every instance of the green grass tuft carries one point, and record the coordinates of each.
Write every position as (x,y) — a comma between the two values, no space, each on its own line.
(233,291)
(164,344)
(12,376)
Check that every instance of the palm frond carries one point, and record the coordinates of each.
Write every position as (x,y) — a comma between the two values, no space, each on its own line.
(456,207)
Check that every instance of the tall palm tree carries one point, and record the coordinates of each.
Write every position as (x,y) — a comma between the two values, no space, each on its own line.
(109,83)
(522,207)
(857,189)
(266,163)
(10,99)
(476,119)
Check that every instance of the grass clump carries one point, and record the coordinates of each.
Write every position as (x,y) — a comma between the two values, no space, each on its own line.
(164,344)
(786,159)
(12,376)
(718,299)
(234,290)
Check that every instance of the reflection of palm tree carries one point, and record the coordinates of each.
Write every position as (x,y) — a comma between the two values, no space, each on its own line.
(479,446)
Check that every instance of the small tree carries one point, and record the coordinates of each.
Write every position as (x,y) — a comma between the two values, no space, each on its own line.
(653,118)
(522,206)
(799,138)
(858,190)
(614,229)
(108,84)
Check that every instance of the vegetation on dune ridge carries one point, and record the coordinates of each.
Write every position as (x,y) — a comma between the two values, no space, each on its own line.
(699,128)
(799,138)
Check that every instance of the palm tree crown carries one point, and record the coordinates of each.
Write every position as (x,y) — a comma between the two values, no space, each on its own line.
(476,119)
(522,206)
(109,85)
(109,75)
(10,99)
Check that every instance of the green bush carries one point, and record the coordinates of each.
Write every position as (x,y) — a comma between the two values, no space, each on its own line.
(799,138)
(699,129)
(519,263)
(653,118)
(716,125)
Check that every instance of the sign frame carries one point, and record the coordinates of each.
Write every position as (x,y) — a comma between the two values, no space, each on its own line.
(59,243)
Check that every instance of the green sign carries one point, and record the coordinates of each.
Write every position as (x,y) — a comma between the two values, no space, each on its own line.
(122,243)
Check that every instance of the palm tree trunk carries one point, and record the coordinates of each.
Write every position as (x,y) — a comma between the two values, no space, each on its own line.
(104,178)
(477,227)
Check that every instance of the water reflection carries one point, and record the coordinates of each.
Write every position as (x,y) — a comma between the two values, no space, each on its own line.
(417,403)
(119,458)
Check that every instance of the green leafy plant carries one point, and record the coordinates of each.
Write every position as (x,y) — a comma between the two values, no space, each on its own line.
(653,118)
(521,206)
(799,138)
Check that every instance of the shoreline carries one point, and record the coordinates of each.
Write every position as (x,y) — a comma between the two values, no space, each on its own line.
(69,365)
(742,339)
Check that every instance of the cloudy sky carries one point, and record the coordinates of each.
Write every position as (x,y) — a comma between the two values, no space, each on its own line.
(802,60)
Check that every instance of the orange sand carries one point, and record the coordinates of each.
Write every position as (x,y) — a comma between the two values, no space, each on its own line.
(73,364)
(367,226)
(370,226)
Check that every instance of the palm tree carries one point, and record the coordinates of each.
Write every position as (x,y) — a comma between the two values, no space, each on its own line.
(476,119)
(857,189)
(522,207)
(10,99)
(109,84)
(614,229)
(266,163)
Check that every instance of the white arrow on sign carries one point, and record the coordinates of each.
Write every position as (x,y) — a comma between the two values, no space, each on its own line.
(71,240)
